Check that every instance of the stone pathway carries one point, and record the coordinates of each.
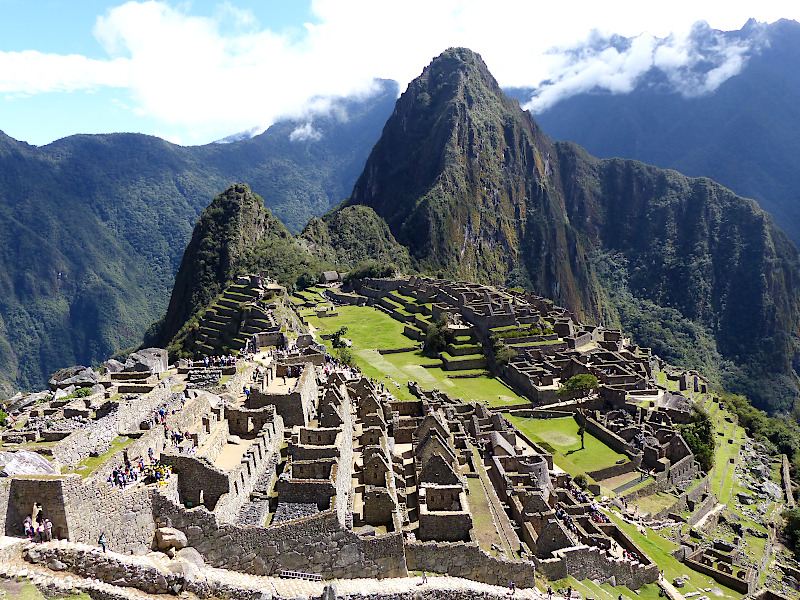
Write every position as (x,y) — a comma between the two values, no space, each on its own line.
(64,582)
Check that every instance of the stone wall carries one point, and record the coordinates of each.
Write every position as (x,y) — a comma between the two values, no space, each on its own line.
(198,477)
(262,456)
(124,516)
(154,439)
(584,562)
(701,511)
(297,407)
(98,435)
(787,481)
(316,544)
(47,490)
(468,560)
(612,471)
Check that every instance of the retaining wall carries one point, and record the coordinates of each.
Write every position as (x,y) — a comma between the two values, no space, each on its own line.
(468,560)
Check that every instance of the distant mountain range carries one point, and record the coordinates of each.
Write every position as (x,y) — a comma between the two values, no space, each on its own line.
(473,187)
(745,134)
(94,226)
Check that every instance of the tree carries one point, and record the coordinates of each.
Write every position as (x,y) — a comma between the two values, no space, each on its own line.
(336,337)
(699,436)
(437,337)
(578,386)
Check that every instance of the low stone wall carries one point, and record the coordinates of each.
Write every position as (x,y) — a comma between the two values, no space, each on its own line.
(154,439)
(111,568)
(316,544)
(787,481)
(584,562)
(706,507)
(196,477)
(612,471)
(468,560)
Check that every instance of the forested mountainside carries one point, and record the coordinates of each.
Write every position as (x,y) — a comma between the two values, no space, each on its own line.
(94,226)
(472,186)
(745,134)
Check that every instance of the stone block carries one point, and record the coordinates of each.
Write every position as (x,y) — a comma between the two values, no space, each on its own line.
(169,537)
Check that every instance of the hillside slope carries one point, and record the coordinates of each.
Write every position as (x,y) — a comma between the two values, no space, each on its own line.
(745,135)
(471,185)
(94,226)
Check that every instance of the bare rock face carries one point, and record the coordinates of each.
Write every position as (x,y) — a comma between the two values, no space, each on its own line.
(24,462)
(77,376)
(113,366)
(169,537)
(149,360)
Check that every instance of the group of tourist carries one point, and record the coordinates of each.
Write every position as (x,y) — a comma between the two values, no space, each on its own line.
(214,362)
(38,527)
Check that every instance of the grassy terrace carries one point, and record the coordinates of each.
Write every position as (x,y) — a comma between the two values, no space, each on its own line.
(88,465)
(370,329)
(562,436)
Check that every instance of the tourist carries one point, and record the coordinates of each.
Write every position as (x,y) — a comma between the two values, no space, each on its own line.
(28,527)
(48,529)
(102,541)
(511,589)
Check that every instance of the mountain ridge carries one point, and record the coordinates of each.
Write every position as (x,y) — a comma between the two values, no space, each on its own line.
(501,186)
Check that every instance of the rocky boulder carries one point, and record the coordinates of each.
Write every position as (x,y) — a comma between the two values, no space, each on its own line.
(113,366)
(24,462)
(169,537)
(147,360)
(76,376)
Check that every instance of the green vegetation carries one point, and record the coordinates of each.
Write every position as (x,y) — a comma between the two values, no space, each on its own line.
(370,329)
(94,226)
(699,436)
(88,465)
(437,337)
(578,386)
(562,436)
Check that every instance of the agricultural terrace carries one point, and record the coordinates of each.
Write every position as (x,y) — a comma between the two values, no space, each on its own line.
(371,330)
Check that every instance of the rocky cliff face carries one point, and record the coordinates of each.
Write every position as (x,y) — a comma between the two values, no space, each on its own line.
(470,184)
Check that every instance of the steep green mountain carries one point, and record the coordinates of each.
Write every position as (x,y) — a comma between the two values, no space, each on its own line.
(235,235)
(745,135)
(352,235)
(472,186)
(94,227)
(467,182)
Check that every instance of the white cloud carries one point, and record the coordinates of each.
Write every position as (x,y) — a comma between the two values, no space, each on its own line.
(209,76)
(31,72)
(304,133)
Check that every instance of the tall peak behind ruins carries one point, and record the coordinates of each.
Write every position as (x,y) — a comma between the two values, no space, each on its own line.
(472,186)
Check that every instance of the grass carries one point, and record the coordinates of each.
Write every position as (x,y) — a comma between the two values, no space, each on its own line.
(22,590)
(366,326)
(88,465)
(562,436)
(482,520)
(370,329)
(658,549)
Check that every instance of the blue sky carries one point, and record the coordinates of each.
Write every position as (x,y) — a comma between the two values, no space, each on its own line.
(195,71)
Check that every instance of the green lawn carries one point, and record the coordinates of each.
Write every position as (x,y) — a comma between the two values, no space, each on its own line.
(659,548)
(563,437)
(366,326)
(370,329)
